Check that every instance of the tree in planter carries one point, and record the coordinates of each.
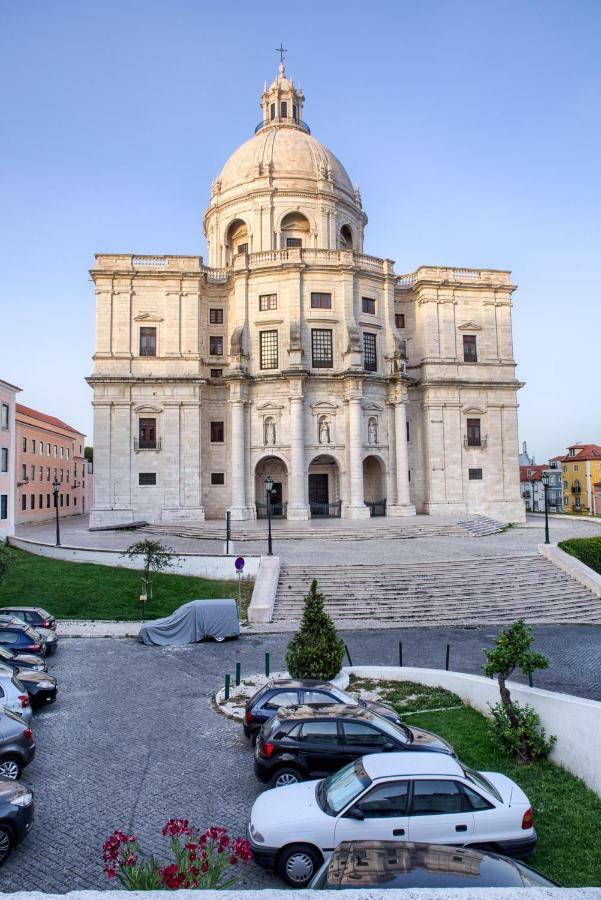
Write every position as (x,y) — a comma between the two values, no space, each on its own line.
(157,558)
(517,728)
(315,651)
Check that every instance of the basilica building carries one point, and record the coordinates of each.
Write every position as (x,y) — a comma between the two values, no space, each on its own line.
(295,360)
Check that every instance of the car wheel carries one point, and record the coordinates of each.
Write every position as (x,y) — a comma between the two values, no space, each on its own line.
(10,767)
(285,776)
(298,863)
(6,843)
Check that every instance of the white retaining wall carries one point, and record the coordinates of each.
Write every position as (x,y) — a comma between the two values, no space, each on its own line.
(575,720)
(197,564)
(578,570)
(262,602)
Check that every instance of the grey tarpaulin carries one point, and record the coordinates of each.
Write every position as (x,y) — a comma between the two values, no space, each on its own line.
(192,622)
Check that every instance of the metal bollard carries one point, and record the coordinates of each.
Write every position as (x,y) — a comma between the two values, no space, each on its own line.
(447,657)
(530,682)
(267,665)
(226,692)
(237,673)
(401,654)
(350,661)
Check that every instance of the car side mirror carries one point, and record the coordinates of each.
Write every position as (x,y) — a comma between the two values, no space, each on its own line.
(356,813)
(388,746)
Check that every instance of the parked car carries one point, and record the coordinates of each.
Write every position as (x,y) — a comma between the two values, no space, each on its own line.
(22,639)
(420,797)
(16,815)
(308,742)
(33,615)
(41,687)
(47,634)
(13,693)
(22,660)
(17,746)
(283,692)
(397,865)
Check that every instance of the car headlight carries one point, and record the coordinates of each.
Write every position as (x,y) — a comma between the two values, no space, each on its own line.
(45,684)
(256,835)
(23,799)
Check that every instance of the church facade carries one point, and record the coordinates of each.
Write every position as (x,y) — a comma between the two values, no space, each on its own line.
(295,359)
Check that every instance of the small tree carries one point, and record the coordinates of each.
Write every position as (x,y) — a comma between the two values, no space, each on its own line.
(157,558)
(315,651)
(516,727)
(7,559)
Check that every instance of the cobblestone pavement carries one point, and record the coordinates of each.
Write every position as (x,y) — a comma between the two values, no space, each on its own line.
(133,739)
(522,539)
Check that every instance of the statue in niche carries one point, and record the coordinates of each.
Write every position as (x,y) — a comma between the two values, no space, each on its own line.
(324,430)
(269,431)
(372,430)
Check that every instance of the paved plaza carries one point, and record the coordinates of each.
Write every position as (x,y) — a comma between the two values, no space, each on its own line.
(134,740)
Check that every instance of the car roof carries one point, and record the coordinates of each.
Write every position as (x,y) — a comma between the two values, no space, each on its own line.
(37,609)
(299,683)
(424,762)
(327,711)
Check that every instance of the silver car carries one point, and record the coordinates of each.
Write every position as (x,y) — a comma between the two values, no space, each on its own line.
(17,745)
(48,635)
(13,694)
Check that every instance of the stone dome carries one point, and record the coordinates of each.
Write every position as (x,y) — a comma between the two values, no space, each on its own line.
(283,152)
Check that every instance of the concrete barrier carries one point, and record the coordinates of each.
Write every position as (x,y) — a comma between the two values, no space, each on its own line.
(578,570)
(575,720)
(196,564)
(260,610)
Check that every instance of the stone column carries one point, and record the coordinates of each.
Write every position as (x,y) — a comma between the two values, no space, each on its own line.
(403,505)
(356,508)
(297,478)
(239,507)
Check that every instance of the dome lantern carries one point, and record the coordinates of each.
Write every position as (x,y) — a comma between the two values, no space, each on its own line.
(282,102)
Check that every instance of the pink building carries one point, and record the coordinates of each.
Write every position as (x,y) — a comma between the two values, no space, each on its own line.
(8,445)
(48,450)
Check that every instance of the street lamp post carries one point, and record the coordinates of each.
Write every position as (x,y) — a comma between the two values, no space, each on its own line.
(532,495)
(55,490)
(268,490)
(546,484)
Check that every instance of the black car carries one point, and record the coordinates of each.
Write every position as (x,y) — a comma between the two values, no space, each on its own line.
(41,687)
(310,742)
(22,639)
(286,692)
(16,815)
(33,615)
(22,660)
(399,865)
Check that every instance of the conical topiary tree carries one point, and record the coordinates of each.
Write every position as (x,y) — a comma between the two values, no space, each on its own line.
(315,651)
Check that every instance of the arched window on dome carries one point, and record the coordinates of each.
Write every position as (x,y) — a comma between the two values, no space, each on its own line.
(294,230)
(346,238)
(236,240)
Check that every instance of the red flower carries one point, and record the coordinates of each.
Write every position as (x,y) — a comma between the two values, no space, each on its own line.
(176,827)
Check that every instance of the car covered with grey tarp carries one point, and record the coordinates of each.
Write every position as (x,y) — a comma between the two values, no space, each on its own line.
(194,621)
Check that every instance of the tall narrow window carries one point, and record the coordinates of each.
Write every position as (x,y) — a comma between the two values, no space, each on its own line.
(23,502)
(268,301)
(148,342)
(368,305)
(399,320)
(321,301)
(32,501)
(470,352)
(4,463)
(370,359)
(321,347)
(272,111)
(4,418)
(284,109)
(3,506)
(215,345)
(474,436)
(268,345)
(217,433)
(24,444)
(216,316)
(147,434)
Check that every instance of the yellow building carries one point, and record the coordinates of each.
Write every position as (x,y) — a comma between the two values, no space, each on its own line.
(581,470)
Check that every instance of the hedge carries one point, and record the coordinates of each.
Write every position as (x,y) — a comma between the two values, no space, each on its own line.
(587,550)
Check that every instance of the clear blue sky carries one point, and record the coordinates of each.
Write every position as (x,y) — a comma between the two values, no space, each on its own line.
(472,128)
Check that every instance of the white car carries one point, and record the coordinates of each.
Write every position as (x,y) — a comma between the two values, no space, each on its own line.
(419,797)
(13,694)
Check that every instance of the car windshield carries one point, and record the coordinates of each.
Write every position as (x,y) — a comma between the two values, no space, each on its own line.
(481,782)
(343,786)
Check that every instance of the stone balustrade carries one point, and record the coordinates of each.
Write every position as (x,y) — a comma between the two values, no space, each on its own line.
(444,274)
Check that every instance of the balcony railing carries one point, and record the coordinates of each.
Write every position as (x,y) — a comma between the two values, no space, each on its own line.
(147,444)
(278,510)
(472,445)
(576,489)
(377,507)
(283,120)
(326,510)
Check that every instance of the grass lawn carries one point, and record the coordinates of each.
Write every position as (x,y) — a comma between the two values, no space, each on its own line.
(85,591)
(567,815)
(587,550)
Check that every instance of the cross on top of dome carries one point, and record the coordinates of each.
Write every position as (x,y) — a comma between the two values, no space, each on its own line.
(282,102)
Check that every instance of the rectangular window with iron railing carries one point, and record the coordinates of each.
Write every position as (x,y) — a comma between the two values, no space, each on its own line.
(370,357)
(321,348)
(470,350)
(147,435)
(474,434)
(268,349)
(148,341)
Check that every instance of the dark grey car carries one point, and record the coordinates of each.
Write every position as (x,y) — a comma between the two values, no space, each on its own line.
(17,746)
(16,815)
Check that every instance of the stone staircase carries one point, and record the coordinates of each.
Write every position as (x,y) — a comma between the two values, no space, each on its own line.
(480,591)
(335,529)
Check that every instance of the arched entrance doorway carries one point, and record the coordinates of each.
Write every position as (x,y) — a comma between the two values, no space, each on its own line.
(374,481)
(324,487)
(275,468)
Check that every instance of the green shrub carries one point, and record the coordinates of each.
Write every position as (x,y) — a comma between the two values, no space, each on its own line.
(526,731)
(315,651)
(587,550)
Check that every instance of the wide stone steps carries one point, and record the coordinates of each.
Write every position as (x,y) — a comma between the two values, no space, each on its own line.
(333,529)
(459,592)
